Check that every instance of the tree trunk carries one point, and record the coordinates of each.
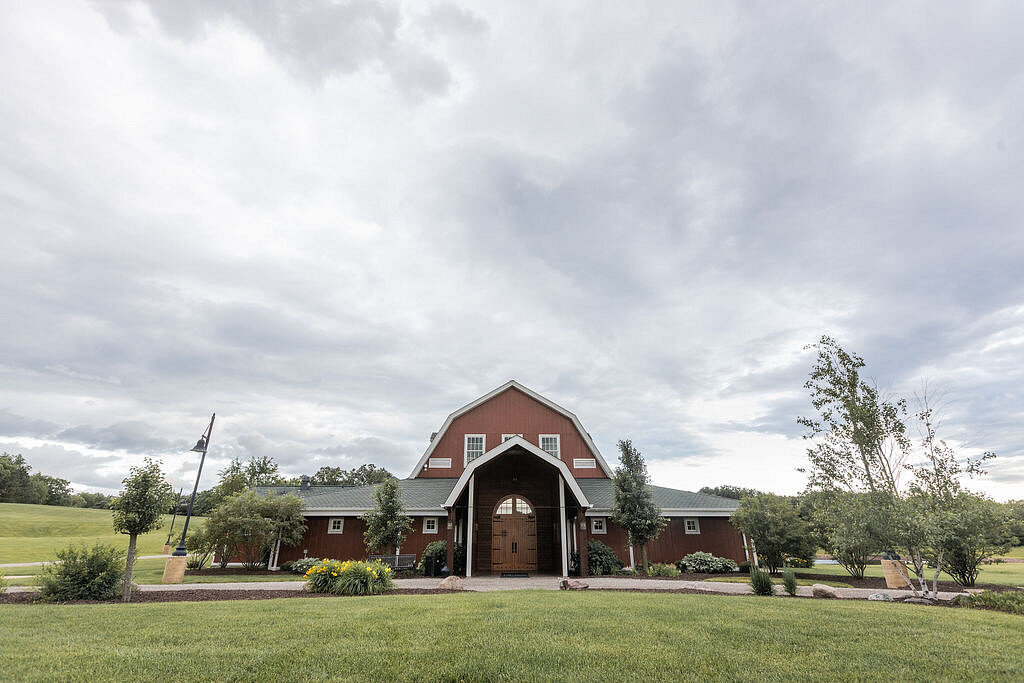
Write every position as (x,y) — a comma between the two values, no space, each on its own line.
(129,567)
(643,558)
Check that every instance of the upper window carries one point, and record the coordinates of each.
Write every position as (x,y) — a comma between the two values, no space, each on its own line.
(597,525)
(514,504)
(336,525)
(430,525)
(474,446)
(692,525)
(506,437)
(552,444)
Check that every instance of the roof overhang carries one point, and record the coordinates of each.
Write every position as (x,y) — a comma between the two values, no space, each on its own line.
(671,512)
(512,384)
(502,448)
(354,512)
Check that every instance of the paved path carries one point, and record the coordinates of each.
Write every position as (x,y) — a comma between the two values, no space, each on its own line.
(40,564)
(490,583)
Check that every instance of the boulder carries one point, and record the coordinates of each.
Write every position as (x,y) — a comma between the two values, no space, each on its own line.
(918,601)
(452,583)
(884,597)
(574,585)
(820,590)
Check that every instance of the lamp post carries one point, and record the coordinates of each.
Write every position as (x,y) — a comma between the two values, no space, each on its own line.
(174,570)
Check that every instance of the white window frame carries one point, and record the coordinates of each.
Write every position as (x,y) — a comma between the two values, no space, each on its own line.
(430,531)
(506,437)
(465,446)
(696,525)
(558,443)
(330,525)
(584,463)
(603,521)
(439,463)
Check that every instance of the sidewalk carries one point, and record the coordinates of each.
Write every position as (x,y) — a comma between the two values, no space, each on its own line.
(40,564)
(493,583)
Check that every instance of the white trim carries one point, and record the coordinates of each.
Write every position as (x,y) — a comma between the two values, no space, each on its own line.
(465,446)
(425,529)
(512,384)
(506,437)
(575,542)
(584,463)
(686,525)
(604,525)
(355,512)
(469,528)
(558,443)
(669,512)
(561,516)
(501,448)
(439,463)
(330,525)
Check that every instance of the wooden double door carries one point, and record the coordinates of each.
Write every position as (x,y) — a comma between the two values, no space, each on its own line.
(514,535)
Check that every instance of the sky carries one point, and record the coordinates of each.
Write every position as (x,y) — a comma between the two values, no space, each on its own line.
(334,223)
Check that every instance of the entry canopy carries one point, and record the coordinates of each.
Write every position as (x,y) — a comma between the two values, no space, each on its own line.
(498,450)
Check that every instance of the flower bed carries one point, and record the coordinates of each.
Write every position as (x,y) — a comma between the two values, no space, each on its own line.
(349,578)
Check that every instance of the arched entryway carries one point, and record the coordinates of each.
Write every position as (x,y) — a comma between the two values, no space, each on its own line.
(514,535)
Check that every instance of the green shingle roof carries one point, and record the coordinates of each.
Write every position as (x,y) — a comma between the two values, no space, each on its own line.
(429,495)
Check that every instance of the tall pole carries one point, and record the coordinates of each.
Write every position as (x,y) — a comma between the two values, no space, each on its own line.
(177,504)
(201,447)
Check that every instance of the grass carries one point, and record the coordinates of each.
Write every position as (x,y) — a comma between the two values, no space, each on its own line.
(516,635)
(152,571)
(1017,552)
(34,533)
(1006,574)
(778,581)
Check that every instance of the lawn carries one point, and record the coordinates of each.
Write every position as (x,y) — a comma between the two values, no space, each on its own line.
(516,635)
(33,533)
(152,571)
(1006,573)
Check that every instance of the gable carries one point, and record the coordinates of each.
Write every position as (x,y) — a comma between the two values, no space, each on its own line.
(511,409)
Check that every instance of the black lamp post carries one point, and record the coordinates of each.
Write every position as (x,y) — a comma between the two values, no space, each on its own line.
(200,447)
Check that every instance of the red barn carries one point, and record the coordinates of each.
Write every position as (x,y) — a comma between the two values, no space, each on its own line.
(517,480)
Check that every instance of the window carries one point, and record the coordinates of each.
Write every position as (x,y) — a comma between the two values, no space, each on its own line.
(439,463)
(336,525)
(552,444)
(506,507)
(506,437)
(523,507)
(474,447)
(692,525)
(430,525)
(584,463)
(514,504)
(597,525)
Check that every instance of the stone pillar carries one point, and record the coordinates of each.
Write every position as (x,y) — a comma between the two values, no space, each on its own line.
(584,537)
(449,540)
(174,570)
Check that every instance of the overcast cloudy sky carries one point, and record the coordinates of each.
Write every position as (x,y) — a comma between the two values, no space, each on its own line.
(333,223)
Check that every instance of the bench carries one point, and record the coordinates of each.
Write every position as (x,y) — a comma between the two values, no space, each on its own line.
(396,561)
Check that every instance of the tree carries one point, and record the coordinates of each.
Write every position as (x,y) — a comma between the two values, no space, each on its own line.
(729,491)
(775,526)
(387,524)
(139,508)
(247,525)
(363,475)
(1014,510)
(850,527)
(15,480)
(634,509)
(981,533)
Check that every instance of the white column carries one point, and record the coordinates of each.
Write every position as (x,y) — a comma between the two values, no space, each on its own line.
(469,528)
(575,543)
(632,562)
(561,516)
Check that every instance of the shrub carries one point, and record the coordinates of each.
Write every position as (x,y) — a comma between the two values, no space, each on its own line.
(301,566)
(668,570)
(705,563)
(789,581)
(626,572)
(440,549)
(83,573)
(196,560)
(349,578)
(1010,601)
(745,566)
(602,559)
(761,582)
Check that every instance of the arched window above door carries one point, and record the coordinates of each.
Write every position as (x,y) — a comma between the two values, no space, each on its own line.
(513,503)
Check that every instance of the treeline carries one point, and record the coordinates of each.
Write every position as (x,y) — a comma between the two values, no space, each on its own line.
(18,484)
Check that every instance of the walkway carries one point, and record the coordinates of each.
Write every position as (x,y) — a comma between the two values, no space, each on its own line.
(40,564)
(493,583)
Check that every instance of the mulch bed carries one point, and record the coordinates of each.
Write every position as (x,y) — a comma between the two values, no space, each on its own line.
(866,582)
(208,595)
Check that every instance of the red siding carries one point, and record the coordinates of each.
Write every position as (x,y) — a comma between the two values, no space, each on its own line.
(717,536)
(510,412)
(350,545)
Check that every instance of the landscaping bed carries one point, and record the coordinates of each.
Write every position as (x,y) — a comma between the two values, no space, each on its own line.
(26,598)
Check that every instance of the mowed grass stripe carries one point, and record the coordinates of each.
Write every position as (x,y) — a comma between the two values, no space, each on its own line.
(516,635)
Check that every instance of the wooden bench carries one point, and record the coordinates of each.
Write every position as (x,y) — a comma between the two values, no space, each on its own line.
(396,561)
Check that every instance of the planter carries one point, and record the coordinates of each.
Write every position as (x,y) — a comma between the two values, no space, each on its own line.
(893,578)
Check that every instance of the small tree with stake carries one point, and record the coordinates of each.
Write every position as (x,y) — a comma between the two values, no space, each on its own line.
(634,509)
(139,508)
(387,524)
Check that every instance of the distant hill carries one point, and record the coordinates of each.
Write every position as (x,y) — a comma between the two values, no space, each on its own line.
(33,533)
